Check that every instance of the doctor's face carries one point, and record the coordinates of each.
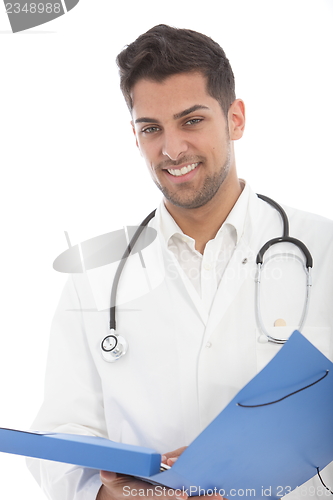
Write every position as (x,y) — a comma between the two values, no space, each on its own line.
(184,137)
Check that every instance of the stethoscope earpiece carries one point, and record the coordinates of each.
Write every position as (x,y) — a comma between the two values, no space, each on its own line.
(113,347)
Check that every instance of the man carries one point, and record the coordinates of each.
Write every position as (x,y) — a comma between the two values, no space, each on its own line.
(194,338)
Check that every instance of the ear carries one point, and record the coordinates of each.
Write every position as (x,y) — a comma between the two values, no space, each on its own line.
(134,132)
(236,119)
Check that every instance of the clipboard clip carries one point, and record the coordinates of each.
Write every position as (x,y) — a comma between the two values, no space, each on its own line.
(164,467)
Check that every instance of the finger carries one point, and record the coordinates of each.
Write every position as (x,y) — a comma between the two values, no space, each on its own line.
(218,496)
(179,494)
(107,477)
(171,461)
(175,453)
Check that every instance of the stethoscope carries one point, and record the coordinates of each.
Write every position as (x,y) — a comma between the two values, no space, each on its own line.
(114,346)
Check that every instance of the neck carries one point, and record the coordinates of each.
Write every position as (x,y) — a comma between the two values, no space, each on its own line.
(203,223)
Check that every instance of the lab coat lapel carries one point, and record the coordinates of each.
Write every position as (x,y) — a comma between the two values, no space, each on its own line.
(185,285)
(242,265)
(237,271)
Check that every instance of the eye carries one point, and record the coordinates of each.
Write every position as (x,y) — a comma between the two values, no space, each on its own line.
(150,130)
(193,121)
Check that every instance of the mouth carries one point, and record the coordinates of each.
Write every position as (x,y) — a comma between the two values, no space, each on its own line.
(179,172)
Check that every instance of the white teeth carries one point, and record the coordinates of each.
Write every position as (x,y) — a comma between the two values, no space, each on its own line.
(184,170)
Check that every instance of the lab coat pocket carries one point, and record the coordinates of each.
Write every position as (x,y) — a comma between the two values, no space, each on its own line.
(320,337)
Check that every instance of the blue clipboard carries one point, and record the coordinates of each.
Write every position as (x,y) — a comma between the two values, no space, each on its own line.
(270,438)
(85,451)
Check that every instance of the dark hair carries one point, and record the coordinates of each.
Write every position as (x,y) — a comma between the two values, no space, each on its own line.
(164,51)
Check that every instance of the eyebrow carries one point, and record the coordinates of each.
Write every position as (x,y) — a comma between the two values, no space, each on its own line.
(175,117)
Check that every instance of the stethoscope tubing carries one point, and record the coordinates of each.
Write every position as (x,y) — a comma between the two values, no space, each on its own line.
(121,344)
(285,238)
(266,337)
(121,265)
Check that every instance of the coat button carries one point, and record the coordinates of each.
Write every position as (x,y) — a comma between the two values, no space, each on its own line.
(280,322)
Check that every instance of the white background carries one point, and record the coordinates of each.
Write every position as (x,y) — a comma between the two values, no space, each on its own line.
(69,162)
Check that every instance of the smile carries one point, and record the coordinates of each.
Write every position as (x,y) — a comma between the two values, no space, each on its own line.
(184,170)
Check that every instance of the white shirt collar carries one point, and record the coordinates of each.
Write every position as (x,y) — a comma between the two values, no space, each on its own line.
(235,219)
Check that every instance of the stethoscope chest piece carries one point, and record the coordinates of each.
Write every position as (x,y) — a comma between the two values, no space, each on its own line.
(113,347)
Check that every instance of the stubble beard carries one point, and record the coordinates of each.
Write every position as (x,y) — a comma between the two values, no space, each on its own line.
(209,189)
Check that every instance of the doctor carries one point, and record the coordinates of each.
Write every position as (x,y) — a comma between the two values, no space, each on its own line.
(189,316)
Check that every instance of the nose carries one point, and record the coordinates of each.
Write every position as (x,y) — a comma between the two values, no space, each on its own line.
(174,145)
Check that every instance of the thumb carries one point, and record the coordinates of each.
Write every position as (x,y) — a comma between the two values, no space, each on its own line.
(175,453)
(107,477)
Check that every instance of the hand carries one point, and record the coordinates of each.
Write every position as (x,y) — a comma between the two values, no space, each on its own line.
(170,457)
(122,487)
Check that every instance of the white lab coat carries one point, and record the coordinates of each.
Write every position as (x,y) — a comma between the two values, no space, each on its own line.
(184,364)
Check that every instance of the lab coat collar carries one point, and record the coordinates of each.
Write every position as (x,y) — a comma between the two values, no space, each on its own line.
(167,226)
(240,218)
